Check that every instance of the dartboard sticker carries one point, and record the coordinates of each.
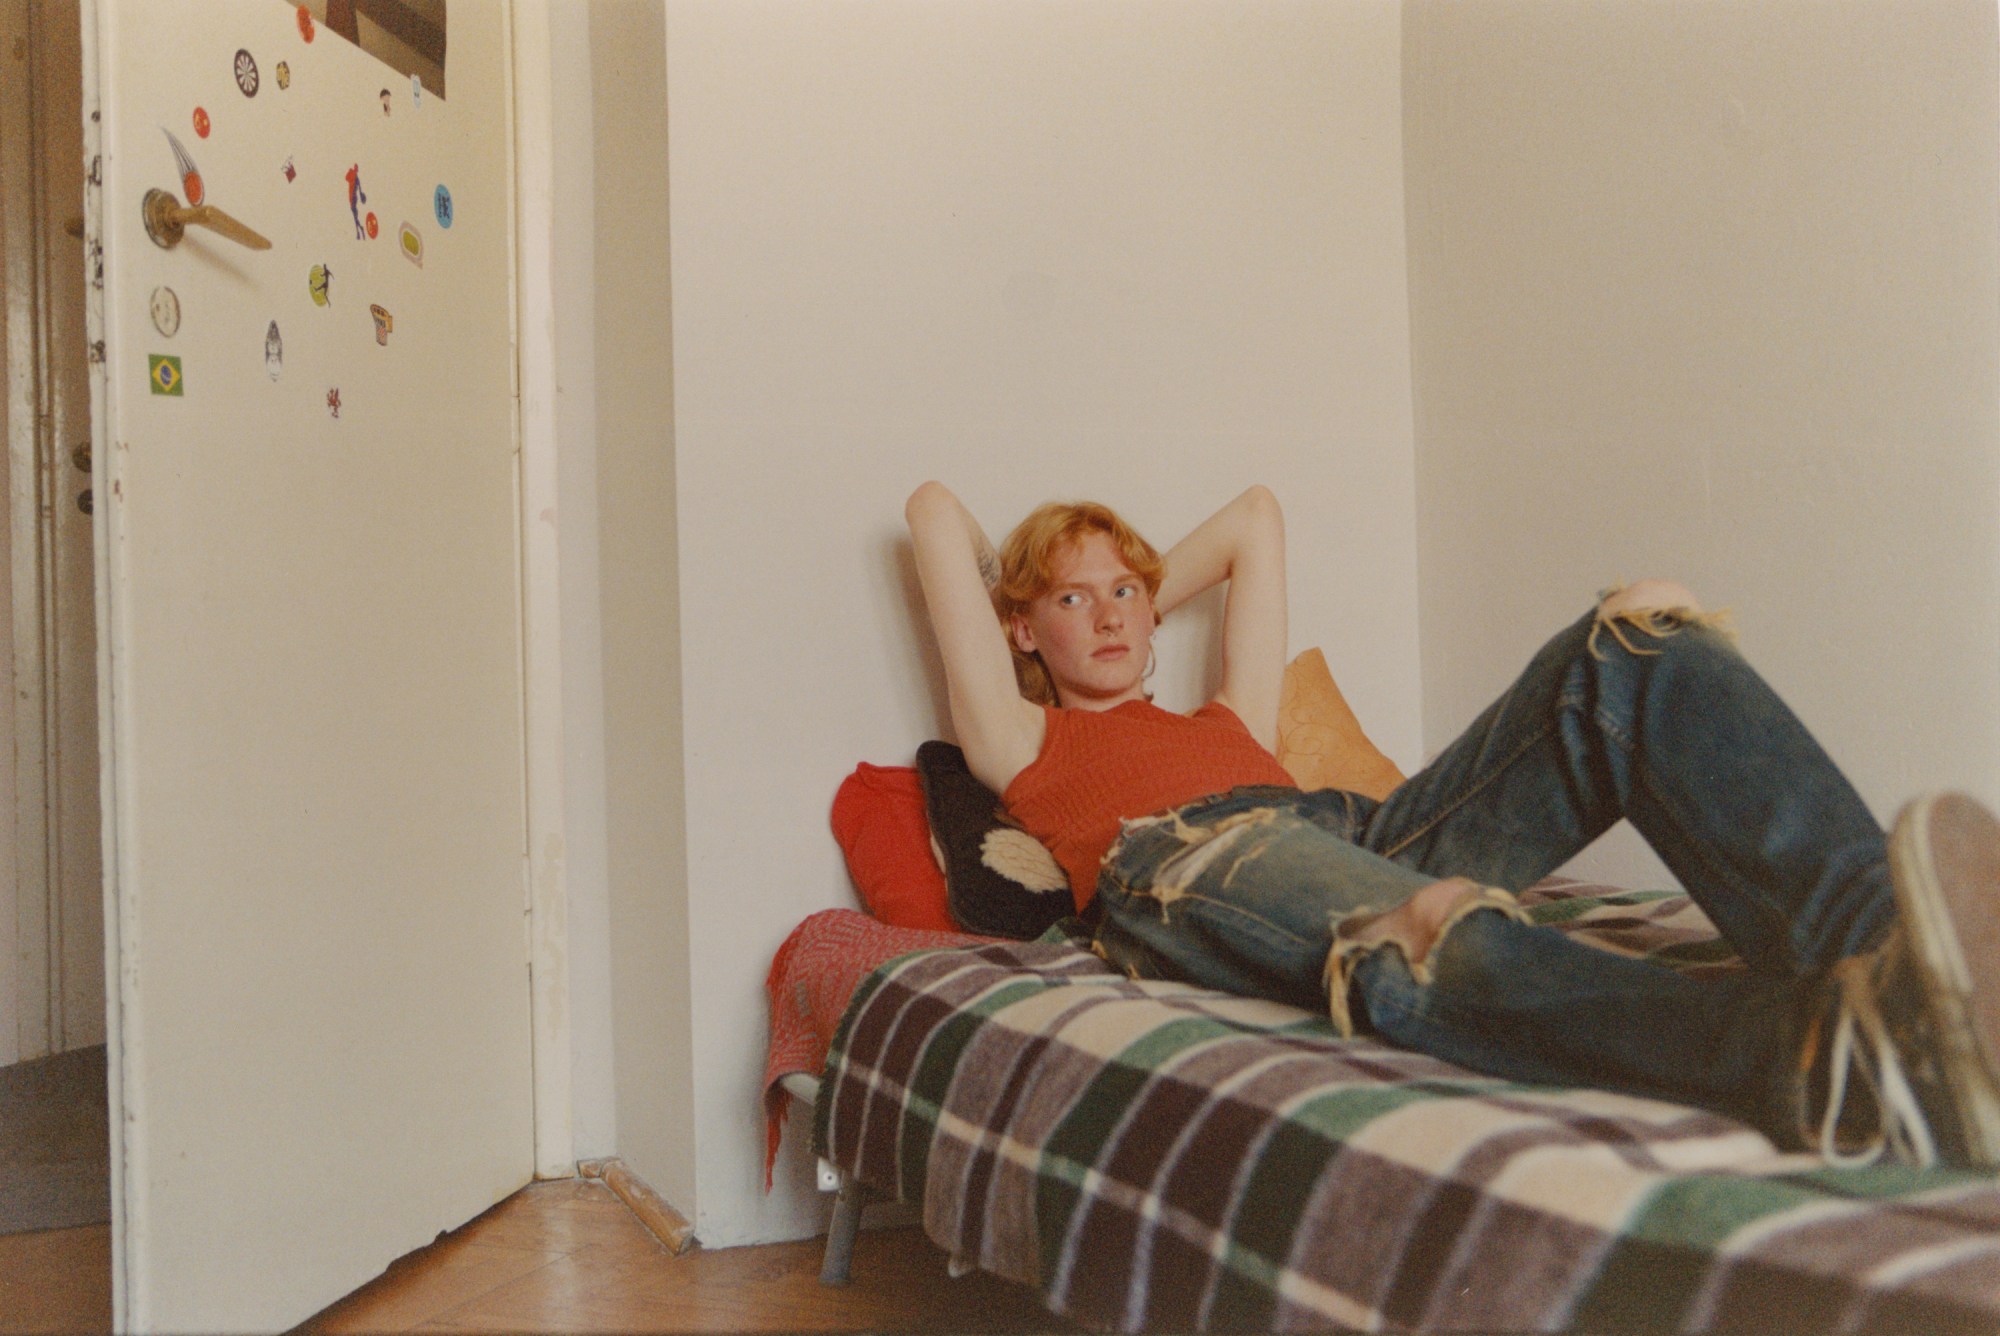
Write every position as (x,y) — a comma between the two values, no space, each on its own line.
(246,72)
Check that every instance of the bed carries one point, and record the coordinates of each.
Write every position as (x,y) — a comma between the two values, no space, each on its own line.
(1154,1156)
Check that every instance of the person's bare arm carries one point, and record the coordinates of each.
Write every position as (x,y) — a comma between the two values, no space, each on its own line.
(1243,543)
(1000,732)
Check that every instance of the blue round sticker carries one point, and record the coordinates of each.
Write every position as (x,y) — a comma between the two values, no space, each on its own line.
(443,203)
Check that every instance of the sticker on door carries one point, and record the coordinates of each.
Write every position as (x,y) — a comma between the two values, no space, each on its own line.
(191,185)
(356,197)
(165,373)
(166,311)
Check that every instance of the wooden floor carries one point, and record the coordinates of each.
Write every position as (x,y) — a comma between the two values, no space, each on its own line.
(567,1256)
(56,1280)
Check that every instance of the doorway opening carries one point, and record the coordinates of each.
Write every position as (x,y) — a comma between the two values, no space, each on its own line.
(54,1172)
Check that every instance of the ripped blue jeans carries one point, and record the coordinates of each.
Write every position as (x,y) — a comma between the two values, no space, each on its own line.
(1269,891)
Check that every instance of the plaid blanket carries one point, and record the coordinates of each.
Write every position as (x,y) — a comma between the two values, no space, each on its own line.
(1160,1157)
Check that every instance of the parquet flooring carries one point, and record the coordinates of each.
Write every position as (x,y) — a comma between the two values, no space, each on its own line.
(567,1256)
(56,1280)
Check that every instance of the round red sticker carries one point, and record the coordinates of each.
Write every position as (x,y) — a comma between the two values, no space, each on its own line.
(372,227)
(305,23)
(201,122)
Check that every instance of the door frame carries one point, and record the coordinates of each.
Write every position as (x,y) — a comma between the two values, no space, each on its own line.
(545,720)
(25,903)
(43,1012)
(547,724)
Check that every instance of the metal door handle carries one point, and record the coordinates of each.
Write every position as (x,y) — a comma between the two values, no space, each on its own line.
(166,219)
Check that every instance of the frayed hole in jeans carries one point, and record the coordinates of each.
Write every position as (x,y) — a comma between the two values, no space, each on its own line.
(1657,621)
(1203,847)
(1410,936)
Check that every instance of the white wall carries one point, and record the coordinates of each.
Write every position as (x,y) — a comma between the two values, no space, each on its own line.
(1700,290)
(649,1029)
(1148,253)
(1709,291)
(581,859)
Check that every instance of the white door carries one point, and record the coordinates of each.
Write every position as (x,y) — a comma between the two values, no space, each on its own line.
(309,607)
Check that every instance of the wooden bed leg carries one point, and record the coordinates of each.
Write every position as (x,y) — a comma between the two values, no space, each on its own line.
(841,1231)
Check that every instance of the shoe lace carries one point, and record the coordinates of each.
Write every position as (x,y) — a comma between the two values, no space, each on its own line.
(1903,1130)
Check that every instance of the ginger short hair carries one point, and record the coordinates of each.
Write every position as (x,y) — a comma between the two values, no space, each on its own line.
(1027,571)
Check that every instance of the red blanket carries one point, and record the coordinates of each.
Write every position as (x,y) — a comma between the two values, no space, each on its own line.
(815,973)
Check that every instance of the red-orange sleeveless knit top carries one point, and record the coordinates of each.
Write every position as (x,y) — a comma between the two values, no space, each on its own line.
(1097,767)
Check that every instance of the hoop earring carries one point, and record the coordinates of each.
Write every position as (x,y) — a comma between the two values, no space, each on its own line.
(1152,662)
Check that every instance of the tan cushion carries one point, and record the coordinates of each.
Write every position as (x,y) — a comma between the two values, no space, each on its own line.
(1320,742)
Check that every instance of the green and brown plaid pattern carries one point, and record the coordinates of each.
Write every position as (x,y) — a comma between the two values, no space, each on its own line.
(1152,1156)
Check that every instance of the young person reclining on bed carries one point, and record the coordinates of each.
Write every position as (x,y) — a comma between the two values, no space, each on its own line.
(1197,858)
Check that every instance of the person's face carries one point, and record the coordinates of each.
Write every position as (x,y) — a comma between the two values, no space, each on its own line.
(1092,627)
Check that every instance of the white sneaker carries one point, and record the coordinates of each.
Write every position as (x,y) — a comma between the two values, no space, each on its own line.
(1919,1017)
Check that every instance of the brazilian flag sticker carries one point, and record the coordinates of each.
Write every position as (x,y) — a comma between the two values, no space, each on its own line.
(165,373)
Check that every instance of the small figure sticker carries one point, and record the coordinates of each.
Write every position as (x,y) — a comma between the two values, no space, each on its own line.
(284,72)
(201,122)
(412,245)
(333,401)
(246,72)
(319,283)
(291,172)
(305,23)
(384,323)
(385,102)
(166,309)
(356,197)
(372,226)
(165,373)
(442,203)
(191,185)
(274,352)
